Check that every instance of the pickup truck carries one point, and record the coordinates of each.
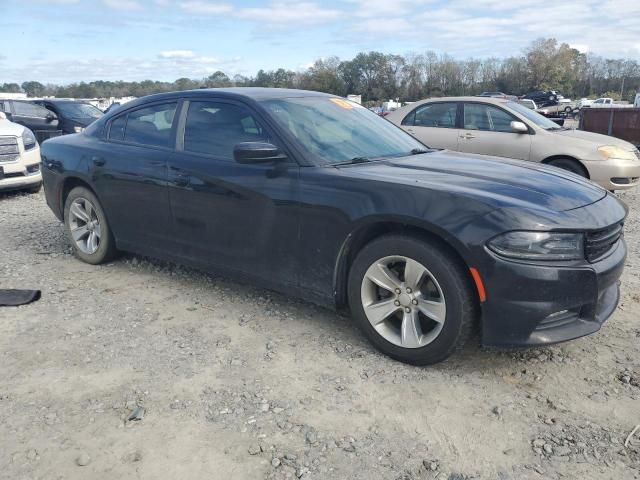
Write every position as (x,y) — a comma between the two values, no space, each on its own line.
(607,102)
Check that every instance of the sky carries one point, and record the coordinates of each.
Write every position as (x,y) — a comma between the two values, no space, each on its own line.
(66,41)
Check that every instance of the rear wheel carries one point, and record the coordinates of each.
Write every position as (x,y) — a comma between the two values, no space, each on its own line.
(570,165)
(412,299)
(87,227)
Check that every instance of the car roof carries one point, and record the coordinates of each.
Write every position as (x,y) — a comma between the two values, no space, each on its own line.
(255,93)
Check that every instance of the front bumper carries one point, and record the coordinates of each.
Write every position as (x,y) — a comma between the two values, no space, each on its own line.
(23,173)
(530,305)
(614,174)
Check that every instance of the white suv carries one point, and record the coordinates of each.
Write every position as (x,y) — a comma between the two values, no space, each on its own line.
(19,158)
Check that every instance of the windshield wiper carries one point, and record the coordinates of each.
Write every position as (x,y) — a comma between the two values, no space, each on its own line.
(354,160)
(418,151)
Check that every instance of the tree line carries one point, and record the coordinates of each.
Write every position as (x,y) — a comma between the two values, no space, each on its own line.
(545,64)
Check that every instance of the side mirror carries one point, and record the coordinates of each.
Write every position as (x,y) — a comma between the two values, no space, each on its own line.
(519,127)
(50,117)
(257,152)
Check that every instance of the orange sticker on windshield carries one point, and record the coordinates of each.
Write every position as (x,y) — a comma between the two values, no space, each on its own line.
(342,103)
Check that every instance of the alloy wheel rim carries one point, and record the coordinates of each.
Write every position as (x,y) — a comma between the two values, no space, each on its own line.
(403,301)
(84,225)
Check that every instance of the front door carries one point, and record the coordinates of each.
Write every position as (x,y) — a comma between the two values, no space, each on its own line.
(130,174)
(434,124)
(487,131)
(240,217)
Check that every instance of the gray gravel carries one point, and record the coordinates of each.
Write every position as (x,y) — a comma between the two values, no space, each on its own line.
(236,382)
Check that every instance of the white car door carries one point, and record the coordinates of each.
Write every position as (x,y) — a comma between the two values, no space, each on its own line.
(434,124)
(487,131)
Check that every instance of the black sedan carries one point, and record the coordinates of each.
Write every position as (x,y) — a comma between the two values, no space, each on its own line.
(317,197)
(73,115)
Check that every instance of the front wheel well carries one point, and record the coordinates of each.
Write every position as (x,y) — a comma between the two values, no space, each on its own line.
(361,237)
(550,159)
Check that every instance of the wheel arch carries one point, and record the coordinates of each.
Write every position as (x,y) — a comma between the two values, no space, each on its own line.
(376,228)
(550,159)
(69,184)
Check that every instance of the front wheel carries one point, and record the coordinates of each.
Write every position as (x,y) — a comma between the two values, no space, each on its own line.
(412,299)
(87,227)
(570,165)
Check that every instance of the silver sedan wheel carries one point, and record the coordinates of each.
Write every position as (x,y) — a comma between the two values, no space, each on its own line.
(403,301)
(84,225)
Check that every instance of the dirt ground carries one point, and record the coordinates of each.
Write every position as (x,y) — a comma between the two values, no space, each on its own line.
(232,382)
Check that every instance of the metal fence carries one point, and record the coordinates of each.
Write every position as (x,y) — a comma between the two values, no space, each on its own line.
(622,123)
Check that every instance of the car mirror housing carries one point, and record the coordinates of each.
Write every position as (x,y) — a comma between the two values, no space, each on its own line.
(257,152)
(50,117)
(519,127)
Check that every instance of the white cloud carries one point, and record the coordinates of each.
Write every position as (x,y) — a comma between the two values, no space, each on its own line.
(290,13)
(201,7)
(177,54)
(123,4)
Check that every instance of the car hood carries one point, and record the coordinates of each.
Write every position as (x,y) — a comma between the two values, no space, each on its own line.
(7,127)
(499,181)
(596,139)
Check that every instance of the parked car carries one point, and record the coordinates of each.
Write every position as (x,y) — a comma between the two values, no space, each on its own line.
(502,128)
(74,116)
(317,197)
(606,102)
(19,157)
(39,120)
(530,104)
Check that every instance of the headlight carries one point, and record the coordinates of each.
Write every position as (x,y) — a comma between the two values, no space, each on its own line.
(539,245)
(611,152)
(28,139)
(78,129)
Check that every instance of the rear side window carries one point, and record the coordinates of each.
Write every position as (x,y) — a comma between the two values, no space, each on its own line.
(29,110)
(214,128)
(150,125)
(479,116)
(439,115)
(116,131)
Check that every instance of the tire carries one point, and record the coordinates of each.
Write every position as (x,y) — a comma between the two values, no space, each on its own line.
(35,189)
(86,219)
(570,165)
(568,110)
(445,288)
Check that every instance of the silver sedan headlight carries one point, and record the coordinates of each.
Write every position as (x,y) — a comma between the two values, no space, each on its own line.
(611,152)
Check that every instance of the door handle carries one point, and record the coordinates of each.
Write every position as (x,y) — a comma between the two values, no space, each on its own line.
(98,161)
(468,136)
(180,178)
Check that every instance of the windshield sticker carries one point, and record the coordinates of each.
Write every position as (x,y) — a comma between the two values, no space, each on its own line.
(342,103)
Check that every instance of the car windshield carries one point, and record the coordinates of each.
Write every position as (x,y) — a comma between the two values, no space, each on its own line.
(336,130)
(79,110)
(533,116)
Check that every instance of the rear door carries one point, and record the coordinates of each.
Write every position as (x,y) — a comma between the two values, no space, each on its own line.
(487,131)
(130,175)
(434,124)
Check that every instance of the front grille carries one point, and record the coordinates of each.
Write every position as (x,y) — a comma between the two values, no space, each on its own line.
(9,151)
(599,243)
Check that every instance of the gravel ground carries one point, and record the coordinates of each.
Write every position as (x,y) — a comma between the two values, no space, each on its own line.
(225,381)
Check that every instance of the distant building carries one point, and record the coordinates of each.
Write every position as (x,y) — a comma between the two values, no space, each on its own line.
(13,96)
